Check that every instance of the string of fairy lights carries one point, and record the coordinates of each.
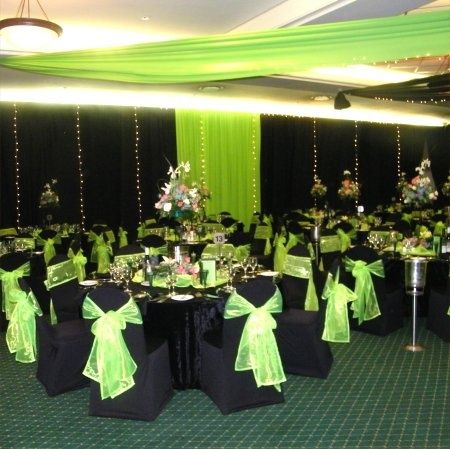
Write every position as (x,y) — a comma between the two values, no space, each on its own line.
(254,167)
(17,166)
(80,169)
(202,152)
(138,165)
(315,157)
(399,153)
(356,148)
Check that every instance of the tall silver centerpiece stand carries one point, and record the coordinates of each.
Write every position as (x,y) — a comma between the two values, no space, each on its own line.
(415,277)
(315,239)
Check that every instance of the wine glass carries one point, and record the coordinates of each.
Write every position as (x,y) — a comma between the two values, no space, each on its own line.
(171,280)
(231,272)
(253,262)
(246,265)
(126,274)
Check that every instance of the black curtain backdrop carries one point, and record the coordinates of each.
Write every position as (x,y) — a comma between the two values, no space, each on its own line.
(48,150)
(287,159)
(47,137)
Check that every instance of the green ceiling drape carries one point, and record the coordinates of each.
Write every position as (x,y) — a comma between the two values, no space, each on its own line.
(224,150)
(279,51)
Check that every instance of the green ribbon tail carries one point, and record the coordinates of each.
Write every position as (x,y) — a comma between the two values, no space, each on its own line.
(110,363)
(21,332)
(10,283)
(258,350)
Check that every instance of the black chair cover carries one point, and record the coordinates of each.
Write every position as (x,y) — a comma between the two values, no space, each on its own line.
(438,320)
(67,298)
(389,302)
(63,352)
(152,389)
(234,390)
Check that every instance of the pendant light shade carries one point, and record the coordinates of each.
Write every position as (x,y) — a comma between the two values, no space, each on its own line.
(27,33)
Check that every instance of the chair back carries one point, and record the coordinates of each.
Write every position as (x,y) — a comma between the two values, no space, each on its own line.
(111,298)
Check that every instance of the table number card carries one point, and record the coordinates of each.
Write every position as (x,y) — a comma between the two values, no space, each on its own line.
(219,237)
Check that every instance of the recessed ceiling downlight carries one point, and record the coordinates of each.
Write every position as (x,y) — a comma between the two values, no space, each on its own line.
(209,89)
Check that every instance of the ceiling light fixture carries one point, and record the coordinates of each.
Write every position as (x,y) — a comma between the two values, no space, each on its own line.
(29,33)
(210,88)
(321,98)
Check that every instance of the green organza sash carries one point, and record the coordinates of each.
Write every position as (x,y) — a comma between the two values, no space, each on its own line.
(123,239)
(258,350)
(10,282)
(365,307)
(49,247)
(330,244)
(60,273)
(217,249)
(157,251)
(345,239)
(101,252)
(241,252)
(213,227)
(110,363)
(21,332)
(264,233)
(161,232)
(130,259)
(407,217)
(8,231)
(79,260)
(25,242)
(301,267)
(336,327)
(279,254)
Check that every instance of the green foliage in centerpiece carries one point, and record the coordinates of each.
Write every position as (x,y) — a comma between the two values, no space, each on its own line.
(349,190)
(179,199)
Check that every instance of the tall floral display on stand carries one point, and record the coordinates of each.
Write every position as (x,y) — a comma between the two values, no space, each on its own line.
(420,191)
(179,199)
(349,190)
(49,201)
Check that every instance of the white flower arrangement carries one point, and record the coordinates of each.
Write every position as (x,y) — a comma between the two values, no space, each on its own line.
(49,197)
(178,198)
(419,191)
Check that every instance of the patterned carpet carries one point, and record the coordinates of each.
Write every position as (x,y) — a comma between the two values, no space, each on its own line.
(377,396)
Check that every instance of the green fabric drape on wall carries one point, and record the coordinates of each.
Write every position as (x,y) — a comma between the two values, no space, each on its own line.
(280,51)
(231,152)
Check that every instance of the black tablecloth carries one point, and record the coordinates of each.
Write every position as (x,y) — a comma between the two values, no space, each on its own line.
(183,323)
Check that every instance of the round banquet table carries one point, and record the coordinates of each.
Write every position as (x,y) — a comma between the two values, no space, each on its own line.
(183,324)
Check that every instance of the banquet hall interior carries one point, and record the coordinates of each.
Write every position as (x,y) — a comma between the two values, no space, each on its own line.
(178,166)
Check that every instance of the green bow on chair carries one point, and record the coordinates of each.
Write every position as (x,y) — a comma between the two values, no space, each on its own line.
(123,239)
(365,307)
(10,282)
(21,332)
(49,247)
(345,238)
(439,228)
(336,328)
(101,252)
(301,267)
(110,363)
(258,350)
(79,260)
(241,252)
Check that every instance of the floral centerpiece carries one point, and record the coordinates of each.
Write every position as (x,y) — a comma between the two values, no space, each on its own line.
(446,187)
(420,191)
(178,198)
(49,197)
(318,190)
(349,190)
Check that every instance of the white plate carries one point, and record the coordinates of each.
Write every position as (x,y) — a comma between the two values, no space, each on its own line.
(145,284)
(269,273)
(88,283)
(182,297)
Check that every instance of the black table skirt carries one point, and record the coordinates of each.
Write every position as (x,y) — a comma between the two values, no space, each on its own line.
(183,324)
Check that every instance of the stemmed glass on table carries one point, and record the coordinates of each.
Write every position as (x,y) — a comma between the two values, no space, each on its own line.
(253,262)
(171,281)
(246,265)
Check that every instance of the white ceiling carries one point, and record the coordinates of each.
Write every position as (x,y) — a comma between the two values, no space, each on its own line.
(102,23)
